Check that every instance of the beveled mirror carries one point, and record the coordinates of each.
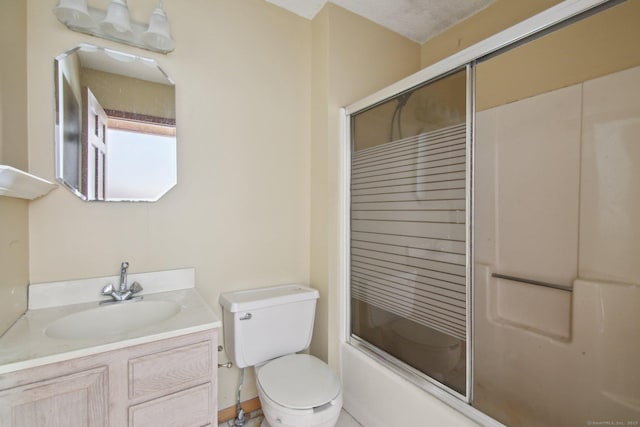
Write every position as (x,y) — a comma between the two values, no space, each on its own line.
(115,125)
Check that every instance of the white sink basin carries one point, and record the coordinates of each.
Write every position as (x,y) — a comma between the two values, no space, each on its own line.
(112,319)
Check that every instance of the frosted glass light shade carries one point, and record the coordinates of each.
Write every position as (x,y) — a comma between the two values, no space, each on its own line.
(73,13)
(158,35)
(117,22)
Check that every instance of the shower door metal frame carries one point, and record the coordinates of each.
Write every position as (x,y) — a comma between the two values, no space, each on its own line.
(536,26)
(413,375)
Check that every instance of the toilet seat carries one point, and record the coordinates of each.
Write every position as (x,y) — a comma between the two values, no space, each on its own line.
(298,381)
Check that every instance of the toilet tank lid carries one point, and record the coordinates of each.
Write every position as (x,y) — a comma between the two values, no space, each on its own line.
(251,299)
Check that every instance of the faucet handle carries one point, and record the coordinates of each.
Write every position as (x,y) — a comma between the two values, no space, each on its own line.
(108,289)
(135,287)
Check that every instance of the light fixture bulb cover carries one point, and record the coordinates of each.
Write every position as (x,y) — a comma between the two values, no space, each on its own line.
(74,13)
(117,22)
(158,35)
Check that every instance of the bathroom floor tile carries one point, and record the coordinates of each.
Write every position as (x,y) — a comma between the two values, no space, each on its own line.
(252,422)
(346,420)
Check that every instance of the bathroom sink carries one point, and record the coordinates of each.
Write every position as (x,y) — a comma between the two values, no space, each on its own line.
(112,319)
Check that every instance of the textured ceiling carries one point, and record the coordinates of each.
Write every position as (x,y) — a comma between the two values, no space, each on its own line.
(418,20)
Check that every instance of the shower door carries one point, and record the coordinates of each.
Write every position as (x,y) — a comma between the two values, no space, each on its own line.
(409,231)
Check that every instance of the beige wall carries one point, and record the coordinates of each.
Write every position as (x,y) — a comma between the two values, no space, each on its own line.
(498,16)
(359,58)
(319,151)
(240,211)
(14,260)
(13,84)
(14,232)
(580,53)
(577,53)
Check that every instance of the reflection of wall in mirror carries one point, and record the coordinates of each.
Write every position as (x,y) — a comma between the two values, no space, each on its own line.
(121,93)
(69,121)
(71,146)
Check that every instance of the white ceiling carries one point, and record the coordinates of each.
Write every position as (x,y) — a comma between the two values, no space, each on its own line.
(418,20)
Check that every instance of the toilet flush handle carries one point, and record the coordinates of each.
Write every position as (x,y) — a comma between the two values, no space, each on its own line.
(246,316)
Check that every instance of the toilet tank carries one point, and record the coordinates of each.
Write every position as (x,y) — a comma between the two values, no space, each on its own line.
(265,323)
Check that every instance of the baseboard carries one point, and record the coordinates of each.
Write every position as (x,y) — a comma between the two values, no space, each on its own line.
(230,412)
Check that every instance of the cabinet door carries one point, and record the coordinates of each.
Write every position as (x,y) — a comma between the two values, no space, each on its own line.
(77,400)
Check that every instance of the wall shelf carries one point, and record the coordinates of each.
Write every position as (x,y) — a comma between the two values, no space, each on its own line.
(23,185)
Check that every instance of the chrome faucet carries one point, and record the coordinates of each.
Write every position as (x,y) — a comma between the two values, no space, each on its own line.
(122,293)
(123,276)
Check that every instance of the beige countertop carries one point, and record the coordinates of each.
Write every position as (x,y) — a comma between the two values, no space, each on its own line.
(26,344)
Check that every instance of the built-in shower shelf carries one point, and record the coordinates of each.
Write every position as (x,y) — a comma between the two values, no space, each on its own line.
(23,185)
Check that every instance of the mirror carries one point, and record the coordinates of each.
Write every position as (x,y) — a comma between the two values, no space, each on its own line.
(115,125)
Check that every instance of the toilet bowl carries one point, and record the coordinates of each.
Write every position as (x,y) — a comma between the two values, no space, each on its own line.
(266,328)
(298,390)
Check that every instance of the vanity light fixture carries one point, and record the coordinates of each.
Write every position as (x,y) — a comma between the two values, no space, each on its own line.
(74,12)
(158,34)
(115,24)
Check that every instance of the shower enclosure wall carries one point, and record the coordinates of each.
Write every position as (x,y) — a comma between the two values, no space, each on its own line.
(493,233)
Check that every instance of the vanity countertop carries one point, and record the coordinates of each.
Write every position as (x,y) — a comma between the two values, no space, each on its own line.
(26,345)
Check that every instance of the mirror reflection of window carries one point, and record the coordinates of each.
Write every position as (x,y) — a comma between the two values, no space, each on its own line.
(135,149)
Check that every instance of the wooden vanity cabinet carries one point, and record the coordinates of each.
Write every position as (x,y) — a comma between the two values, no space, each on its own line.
(79,399)
(171,382)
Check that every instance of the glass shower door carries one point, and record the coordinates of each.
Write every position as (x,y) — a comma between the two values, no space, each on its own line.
(409,276)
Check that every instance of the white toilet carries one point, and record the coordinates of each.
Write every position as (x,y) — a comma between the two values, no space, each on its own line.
(265,328)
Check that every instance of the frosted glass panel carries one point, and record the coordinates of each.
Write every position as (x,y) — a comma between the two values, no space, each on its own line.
(408,230)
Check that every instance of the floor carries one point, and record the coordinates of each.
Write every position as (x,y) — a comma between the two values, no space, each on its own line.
(345,420)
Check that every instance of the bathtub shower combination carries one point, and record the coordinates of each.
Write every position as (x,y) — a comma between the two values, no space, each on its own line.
(493,233)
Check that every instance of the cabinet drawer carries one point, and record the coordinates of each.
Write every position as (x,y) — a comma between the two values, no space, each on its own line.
(169,371)
(189,408)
